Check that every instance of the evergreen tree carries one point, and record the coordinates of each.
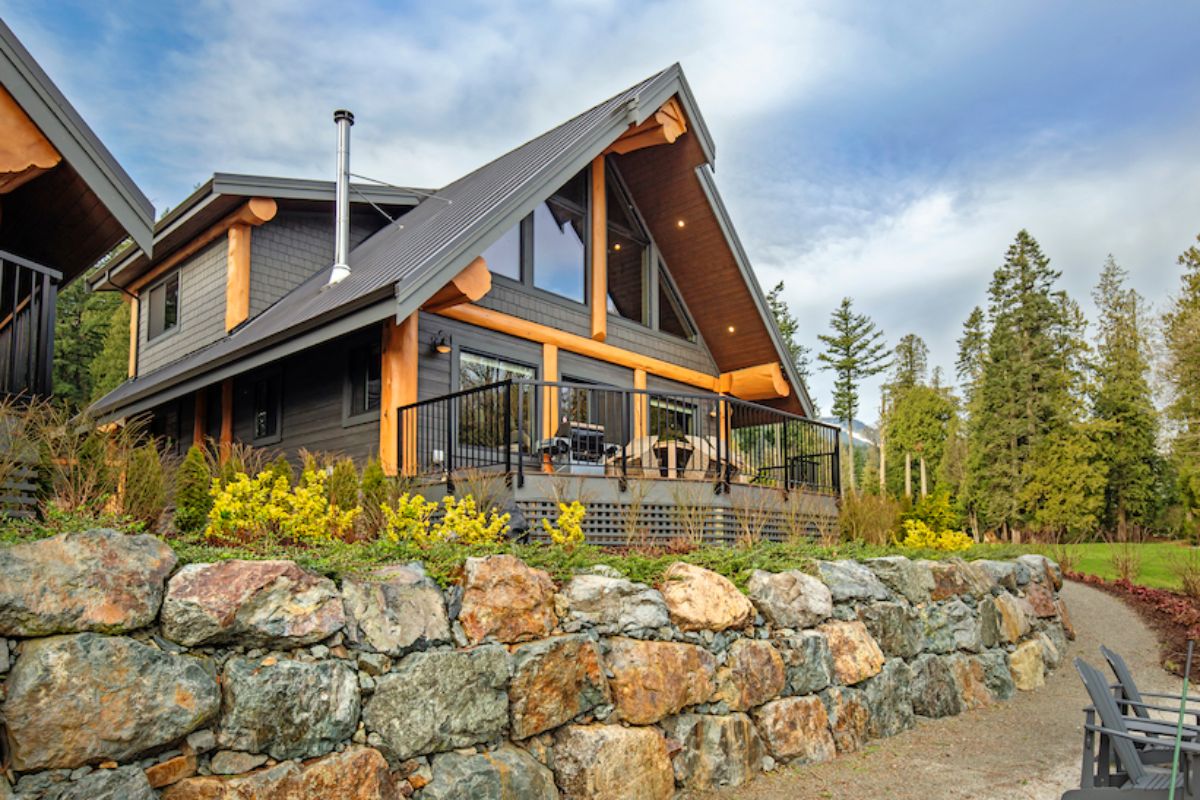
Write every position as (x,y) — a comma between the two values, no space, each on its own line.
(82,321)
(910,365)
(972,348)
(854,351)
(1181,334)
(110,367)
(789,330)
(1122,404)
(918,424)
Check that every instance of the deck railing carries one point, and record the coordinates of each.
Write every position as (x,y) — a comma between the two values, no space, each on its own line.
(28,293)
(517,426)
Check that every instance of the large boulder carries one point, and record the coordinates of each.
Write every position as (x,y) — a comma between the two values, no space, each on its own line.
(717,751)
(970,676)
(955,577)
(790,599)
(753,673)
(255,603)
(934,689)
(652,680)
(1041,600)
(1003,573)
(553,681)
(851,581)
(507,773)
(83,698)
(356,773)
(856,655)
(612,605)
(911,580)
(1004,619)
(699,599)
(1027,666)
(100,581)
(441,700)
(123,783)
(1042,570)
(951,626)
(288,709)
(505,600)
(896,627)
(807,662)
(889,696)
(849,717)
(796,728)
(394,610)
(610,762)
(996,674)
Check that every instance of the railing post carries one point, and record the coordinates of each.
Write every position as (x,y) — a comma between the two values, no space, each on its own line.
(451,425)
(508,443)
(627,436)
(787,461)
(520,439)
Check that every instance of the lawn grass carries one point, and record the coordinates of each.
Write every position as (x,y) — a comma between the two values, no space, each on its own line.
(1157,568)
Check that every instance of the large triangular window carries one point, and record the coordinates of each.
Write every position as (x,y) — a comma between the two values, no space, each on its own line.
(628,256)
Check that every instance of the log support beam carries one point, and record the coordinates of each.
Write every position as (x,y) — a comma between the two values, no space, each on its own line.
(398,373)
(467,286)
(598,294)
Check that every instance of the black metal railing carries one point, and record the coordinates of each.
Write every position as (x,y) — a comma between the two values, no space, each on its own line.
(28,293)
(517,426)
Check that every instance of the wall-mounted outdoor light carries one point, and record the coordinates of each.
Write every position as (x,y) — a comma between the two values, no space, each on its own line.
(441,342)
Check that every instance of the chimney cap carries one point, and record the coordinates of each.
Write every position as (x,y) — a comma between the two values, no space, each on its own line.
(343,114)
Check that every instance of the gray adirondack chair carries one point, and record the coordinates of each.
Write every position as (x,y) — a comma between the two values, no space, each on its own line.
(1142,703)
(1129,739)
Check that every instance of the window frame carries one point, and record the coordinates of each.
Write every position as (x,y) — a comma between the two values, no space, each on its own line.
(650,253)
(275,374)
(151,335)
(350,417)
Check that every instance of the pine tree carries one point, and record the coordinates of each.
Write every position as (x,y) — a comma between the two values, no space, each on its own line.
(110,367)
(854,351)
(910,365)
(971,350)
(789,330)
(1181,334)
(918,424)
(81,324)
(1122,403)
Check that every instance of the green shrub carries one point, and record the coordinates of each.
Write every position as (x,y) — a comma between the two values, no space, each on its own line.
(869,518)
(282,468)
(376,491)
(192,498)
(145,492)
(343,484)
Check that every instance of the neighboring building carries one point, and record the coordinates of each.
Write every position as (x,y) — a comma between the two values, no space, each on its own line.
(578,310)
(64,203)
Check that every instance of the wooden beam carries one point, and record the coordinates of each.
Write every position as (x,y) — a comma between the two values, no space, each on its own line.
(25,152)
(760,382)
(398,387)
(253,212)
(598,297)
(134,311)
(663,127)
(237,276)
(549,393)
(226,419)
(641,406)
(467,286)
(200,417)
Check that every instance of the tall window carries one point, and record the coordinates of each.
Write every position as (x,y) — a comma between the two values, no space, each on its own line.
(364,384)
(628,257)
(164,307)
(504,256)
(672,318)
(268,408)
(480,415)
(558,249)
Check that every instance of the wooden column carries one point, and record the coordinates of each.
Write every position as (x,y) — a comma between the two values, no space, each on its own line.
(237,276)
(549,399)
(200,417)
(226,419)
(134,311)
(908,474)
(641,406)
(598,297)
(398,387)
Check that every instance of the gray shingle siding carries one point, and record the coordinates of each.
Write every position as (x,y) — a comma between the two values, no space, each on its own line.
(201,310)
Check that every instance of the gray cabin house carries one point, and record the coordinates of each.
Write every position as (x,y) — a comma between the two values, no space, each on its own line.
(575,319)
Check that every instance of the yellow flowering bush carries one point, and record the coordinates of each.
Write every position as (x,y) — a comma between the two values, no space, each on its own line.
(568,530)
(918,535)
(408,520)
(266,506)
(462,521)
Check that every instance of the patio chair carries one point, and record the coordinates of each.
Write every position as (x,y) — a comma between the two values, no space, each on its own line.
(1129,739)
(1130,697)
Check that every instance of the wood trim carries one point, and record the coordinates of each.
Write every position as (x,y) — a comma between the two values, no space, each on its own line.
(598,296)
(662,127)
(199,416)
(135,310)
(467,286)
(237,276)
(549,393)
(398,387)
(641,406)
(226,419)
(254,212)
(760,382)
(25,152)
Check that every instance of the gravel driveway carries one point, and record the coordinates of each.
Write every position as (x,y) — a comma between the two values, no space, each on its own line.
(1026,748)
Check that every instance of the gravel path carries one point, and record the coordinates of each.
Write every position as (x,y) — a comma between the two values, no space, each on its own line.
(1026,748)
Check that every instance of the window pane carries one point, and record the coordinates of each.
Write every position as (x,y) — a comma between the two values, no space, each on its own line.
(156,312)
(365,382)
(171,302)
(626,276)
(558,252)
(504,256)
(480,415)
(476,370)
(266,408)
(671,316)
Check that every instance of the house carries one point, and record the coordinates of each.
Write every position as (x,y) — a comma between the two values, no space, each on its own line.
(64,203)
(577,317)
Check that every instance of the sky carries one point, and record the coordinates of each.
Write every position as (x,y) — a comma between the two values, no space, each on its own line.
(888,152)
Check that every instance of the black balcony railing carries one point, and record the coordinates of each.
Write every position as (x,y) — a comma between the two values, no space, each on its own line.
(27,296)
(518,426)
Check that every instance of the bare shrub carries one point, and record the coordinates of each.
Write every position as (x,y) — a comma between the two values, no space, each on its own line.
(240,457)
(806,517)
(488,487)
(691,511)
(631,513)
(1187,569)
(753,511)
(870,518)
(1126,560)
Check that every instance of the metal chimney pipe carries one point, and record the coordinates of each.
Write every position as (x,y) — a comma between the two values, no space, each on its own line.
(341,240)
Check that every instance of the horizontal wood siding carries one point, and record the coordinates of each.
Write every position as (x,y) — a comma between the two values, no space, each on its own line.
(201,310)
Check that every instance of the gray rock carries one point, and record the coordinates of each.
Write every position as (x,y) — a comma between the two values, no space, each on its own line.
(849,717)
(289,709)
(231,762)
(849,580)
(903,576)
(897,627)
(934,687)
(612,605)
(507,773)
(718,751)
(790,599)
(1002,572)
(123,783)
(1042,569)
(1052,654)
(808,662)
(202,741)
(101,581)
(394,610)
(77,699)
(889,696)
(437,701)
(996,674)
(951,626)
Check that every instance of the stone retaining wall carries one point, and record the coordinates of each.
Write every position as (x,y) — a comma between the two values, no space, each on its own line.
(126,678)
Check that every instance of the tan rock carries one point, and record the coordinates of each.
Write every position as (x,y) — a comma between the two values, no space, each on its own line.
(796,728)
(753,673)
(849,717)
(1028,669)
(1005,619)
(358,773)
(856,655)
(652,680)
(610,762)
(554,680)
(699,599)
(173,770)
(971,679)
(505,600)
(715,751)
(1041,599)
(1064,617)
